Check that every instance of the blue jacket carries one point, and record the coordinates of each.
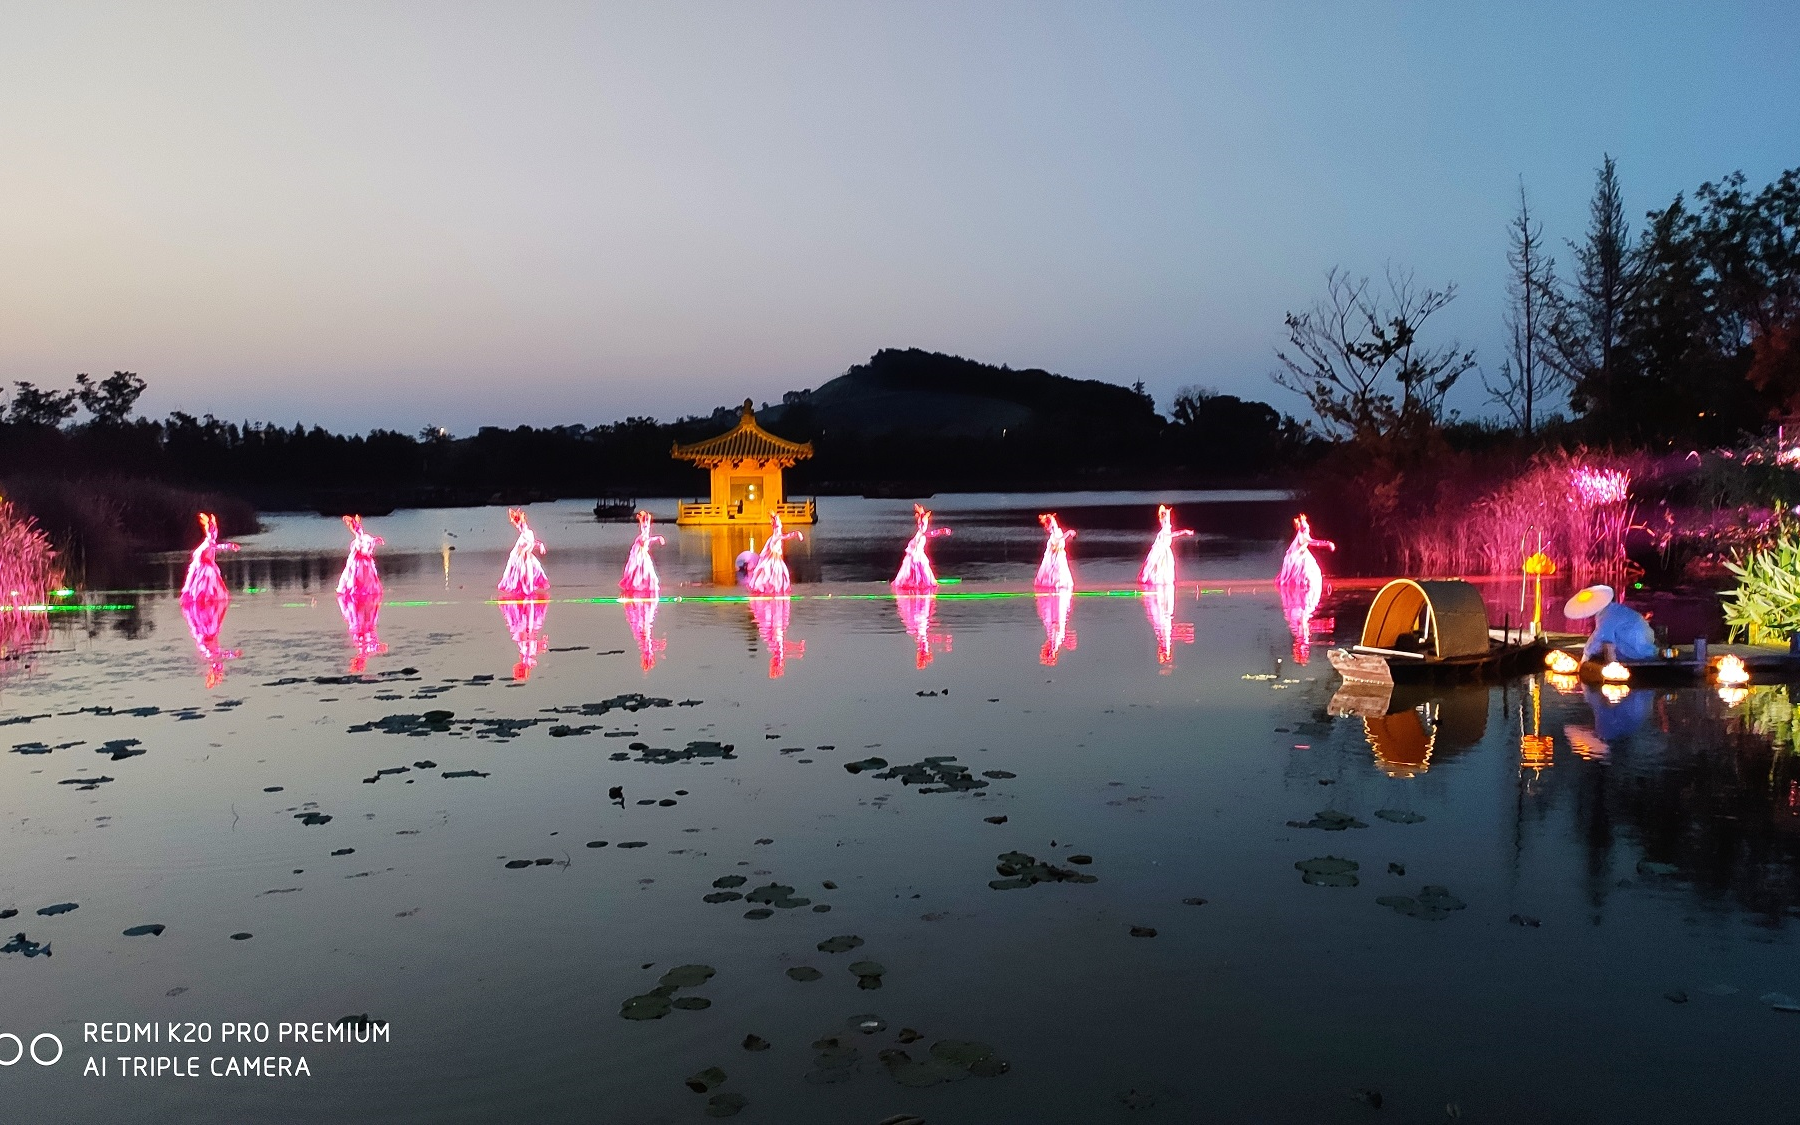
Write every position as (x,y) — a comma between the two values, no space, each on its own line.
(1627,631)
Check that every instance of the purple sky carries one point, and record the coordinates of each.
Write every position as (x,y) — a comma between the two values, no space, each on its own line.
(369,214)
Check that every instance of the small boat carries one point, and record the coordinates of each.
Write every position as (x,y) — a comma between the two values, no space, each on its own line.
(1434,630)
(615,508)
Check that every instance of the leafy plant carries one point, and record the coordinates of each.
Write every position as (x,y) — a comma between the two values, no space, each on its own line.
(1766,604)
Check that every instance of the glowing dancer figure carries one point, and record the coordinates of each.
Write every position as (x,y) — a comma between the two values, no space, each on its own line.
(1159,564)
(360,579)
(769,576)
(525,620)
(639,580)
(205,617)
(362,616)
(1053,611)
(772,617)
(640,615)
(916,613)
(915,565)
(204,583)
(1053,572)
(1299,570)
(524,576)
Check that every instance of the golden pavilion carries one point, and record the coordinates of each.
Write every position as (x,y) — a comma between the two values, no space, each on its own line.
(745,463)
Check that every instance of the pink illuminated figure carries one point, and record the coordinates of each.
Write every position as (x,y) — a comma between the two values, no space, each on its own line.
(203,581)
(640,616)
(917,611)
(360,579)
(1053,611)
(1299,570)
(772,617)
(1159,609)
(205,617)
(639,580)
(1159,564)
(915,566)
(524,576)
(362,615)
(1053,572)
(769,574)
(525,620)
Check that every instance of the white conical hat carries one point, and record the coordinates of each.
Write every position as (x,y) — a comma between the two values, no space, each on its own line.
(1588,602)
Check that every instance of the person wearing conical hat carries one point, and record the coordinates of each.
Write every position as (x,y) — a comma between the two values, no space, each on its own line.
(1618,625)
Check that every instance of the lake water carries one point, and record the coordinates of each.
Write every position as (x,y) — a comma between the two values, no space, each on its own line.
(1608,937)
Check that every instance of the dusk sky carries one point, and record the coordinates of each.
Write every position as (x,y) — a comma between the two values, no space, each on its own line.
(373,214)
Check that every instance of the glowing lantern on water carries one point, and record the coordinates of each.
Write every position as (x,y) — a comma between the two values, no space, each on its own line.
(1730,670)
(1615,673)
(1561,663)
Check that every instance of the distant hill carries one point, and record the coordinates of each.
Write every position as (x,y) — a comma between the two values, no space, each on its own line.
(912,391)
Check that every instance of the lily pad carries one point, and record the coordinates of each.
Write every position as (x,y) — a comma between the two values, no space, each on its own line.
(843,943)
(1328,871)
(722,896)
(755,1043)
(1328,820)
(804,973)
(59,908)
(724,881)
(919,1073)
(868,973)
(691,1003)
(728,1104)
(687,976)
(1434,904)
(154,929)
(709,1079)
(1019,870)
(652,1005)
(759,914)
(1399,816)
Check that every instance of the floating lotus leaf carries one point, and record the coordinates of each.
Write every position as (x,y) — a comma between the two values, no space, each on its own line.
(843,943)
(710,1078)
(1328,820)
(1399,816)
(759,913)
(649,1006)
(1021,870)
(964,1052)
(722,896)
(755,1043)
(691,1003)
(907,1071)
(804,973)
(1328,871)
(1434,904)
(687,976)
(730,881)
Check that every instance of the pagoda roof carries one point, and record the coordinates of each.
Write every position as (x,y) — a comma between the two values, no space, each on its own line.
(747,441)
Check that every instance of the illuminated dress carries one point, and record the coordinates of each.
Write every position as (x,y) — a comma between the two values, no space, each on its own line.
(524,576)
(1159,564)
(1299,570)
(360,579)
(204,583)
(639,580)
(769,575)
(1053,572)
(915,565)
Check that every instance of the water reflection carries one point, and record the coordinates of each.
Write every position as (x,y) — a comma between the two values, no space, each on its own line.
(772,617)
(1159,609)
(640,616)
(362,615)
(1299,602)
(918,614)
(525,620)
(1053,611)
(205,617)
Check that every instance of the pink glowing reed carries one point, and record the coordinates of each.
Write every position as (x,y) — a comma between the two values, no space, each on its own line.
(915,565)
(1594,487)
(1053,572)
(28,572)
(525,621)
(639,579)
(524,576)
(1159,564)
(640,616)
(769,576)
(1159,610)
(204,583)
(1053,611)
(772,616)
(362,616)
(918,614)
(360,580)
(1299,570)
(205,617)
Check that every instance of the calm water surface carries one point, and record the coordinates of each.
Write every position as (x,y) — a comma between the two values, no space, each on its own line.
(1627,887)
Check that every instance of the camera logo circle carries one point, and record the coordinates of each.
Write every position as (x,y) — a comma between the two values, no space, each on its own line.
(37,1055)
